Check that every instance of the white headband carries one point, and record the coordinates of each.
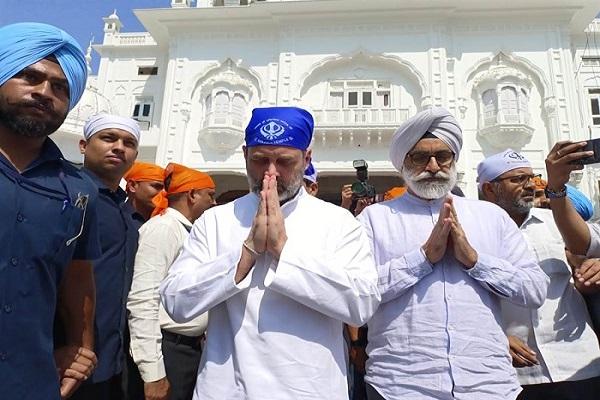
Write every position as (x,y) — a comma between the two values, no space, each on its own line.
(99,122)
(494,166)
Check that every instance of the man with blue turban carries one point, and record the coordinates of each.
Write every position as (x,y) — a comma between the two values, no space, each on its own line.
(279,272)
(554,349)
(48,212)
(444,263)
(310,180)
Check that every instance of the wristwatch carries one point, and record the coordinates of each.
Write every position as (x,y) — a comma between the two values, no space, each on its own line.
(551,194)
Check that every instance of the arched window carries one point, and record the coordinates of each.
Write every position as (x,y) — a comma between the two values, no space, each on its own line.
(238,110)
(489,99)
(221,107)
(509,105)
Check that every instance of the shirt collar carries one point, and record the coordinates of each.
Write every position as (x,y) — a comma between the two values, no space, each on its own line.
(178,216)
(119,194)
(423,202)
(532,218)
(48,153)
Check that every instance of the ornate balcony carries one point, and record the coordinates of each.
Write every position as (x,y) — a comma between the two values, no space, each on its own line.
(507,130)
(222,131)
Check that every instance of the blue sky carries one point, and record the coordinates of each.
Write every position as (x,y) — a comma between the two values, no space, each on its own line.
(81,18)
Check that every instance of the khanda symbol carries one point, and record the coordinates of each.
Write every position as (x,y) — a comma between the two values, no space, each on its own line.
(272,130)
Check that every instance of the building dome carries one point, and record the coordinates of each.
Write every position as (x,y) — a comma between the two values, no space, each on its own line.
(92,102)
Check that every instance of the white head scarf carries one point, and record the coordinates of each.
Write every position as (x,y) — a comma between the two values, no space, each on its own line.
(99,122)
(437,121)
(494,166)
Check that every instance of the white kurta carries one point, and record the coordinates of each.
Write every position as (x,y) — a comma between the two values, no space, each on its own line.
(161,240)
(560,331)
(437,332)
(278,333)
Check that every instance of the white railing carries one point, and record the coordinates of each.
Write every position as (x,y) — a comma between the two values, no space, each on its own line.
(359,116)
(214,119)
(492,119)
(135,39)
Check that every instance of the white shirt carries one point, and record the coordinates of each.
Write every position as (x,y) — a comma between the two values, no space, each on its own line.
(437,332)
(560,331)
(277,334)
(161,240)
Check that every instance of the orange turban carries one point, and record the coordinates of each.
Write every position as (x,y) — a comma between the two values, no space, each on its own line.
(144,172)
(394,192)
(180,179)
(539,183)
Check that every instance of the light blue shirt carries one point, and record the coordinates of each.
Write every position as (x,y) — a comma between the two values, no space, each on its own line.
(437,333)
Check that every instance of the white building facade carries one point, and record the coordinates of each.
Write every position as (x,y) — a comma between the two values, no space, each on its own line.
(521,74)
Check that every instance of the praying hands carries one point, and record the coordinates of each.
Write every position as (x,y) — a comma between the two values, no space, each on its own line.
(448,232)
(268,229)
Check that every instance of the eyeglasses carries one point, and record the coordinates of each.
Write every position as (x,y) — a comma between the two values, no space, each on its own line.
(518,179)
(420,158)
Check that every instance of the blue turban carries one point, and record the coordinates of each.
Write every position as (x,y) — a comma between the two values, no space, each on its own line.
(580,202)
(310,173)
(280,126)
(26,43)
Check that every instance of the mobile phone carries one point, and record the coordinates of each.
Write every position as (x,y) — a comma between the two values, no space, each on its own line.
(591,145)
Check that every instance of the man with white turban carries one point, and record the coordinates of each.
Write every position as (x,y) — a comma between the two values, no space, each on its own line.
(48,214)
(110,147)
(444,264)
(554,347)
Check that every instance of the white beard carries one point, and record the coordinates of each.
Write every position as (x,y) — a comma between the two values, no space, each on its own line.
(426,189)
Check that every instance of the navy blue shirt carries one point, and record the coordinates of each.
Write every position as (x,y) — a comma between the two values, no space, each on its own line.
(113,273)
(48,217)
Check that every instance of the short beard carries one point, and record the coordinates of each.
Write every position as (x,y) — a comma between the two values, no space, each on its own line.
(21,124)
(430,190)
(511,206)
(285,191)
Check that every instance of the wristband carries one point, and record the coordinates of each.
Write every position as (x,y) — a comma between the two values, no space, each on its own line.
(250,249)
(551,194)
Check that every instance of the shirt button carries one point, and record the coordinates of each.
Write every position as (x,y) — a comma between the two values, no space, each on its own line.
(3,356)
(450,327)
(7,308)
(14,261)
(20,217)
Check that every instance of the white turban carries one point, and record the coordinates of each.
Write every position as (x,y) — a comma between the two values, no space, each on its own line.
(98,122)
(494,166)
(437,121)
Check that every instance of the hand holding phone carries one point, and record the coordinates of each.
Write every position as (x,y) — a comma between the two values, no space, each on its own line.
(592,145)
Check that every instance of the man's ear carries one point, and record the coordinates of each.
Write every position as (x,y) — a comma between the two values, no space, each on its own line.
(82,146)
(130,186)
(245,150)
(488,193)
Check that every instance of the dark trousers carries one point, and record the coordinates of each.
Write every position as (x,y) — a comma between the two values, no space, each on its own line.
(106,390)
(181,355)
(588,389)
(373,394)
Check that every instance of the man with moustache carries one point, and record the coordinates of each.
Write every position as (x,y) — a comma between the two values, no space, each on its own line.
(109,148)
(445,263)
(48,214)
(279,271)
(554,347)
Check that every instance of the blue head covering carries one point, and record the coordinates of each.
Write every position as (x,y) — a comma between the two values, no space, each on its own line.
(310,173)
(582,204)
(26,43)
(280,126)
